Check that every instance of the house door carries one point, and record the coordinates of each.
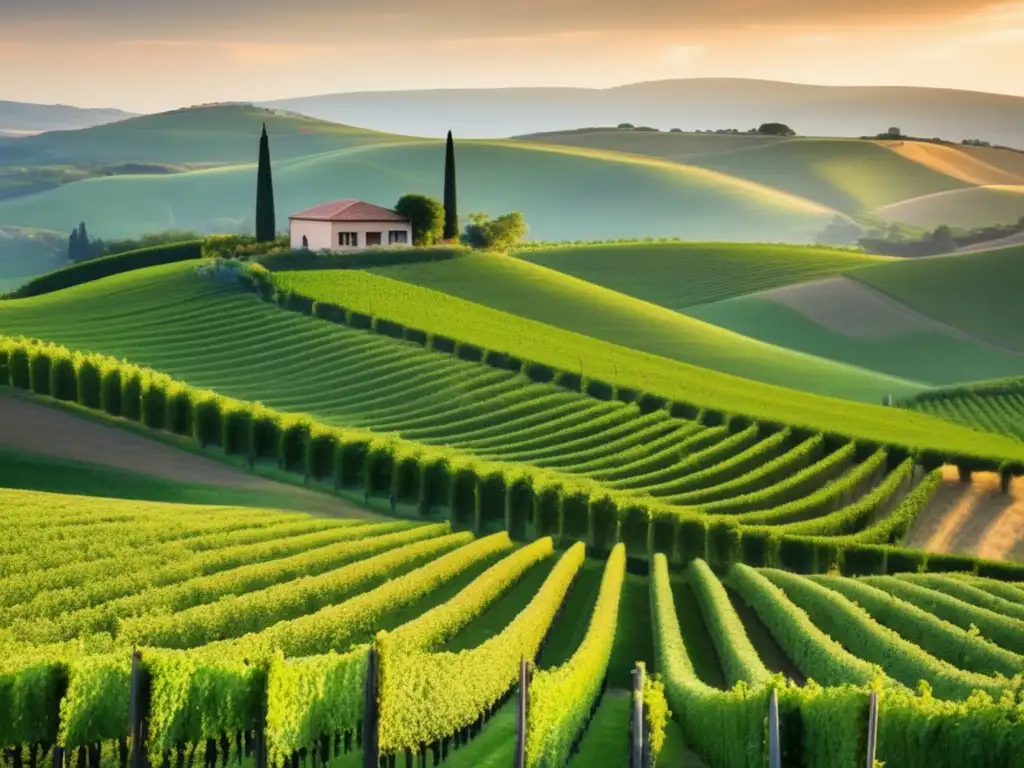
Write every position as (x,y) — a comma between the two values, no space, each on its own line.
(372,239)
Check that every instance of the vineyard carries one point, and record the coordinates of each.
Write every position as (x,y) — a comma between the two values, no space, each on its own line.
(996,406)
(260,633)
(738,545)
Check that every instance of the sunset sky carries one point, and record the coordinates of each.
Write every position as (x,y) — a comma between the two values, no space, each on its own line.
(142,55)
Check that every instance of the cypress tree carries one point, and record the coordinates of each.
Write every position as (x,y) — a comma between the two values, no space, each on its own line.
(451,211)
(266,223)
(73,245)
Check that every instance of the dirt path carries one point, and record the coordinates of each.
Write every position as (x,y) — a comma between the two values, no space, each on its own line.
(975,519)
(49,431)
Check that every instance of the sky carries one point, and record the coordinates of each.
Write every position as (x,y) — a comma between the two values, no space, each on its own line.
(150,55)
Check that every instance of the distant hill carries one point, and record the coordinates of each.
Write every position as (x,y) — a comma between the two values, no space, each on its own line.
(208,134)
(704,103)
(18,118)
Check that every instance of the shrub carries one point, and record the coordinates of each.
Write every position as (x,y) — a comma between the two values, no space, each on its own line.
(19,368)
(601,390)
(490,500)
(539,373)
(5,357)
(575,513)
(416,336)
(350,461)
(758,548)
(546,517)
(389,328)
(236,428)
(380,467)
(264,434)
(502,361)
(863,560)
(943,563)
(407,478)
(360,321)
(570,381)
(179,410)
(330,312)
(903,560)
(664,531)
(39,370)
(604,524)
(110,389)
(435,485)
(291,446)
(469,352)
(519,503)
(635,520)
(626,394)
(205,418)
(87,371)
(724,545)
(796,554)
(131,394)
(63,380)
(154,401)
(442,344)
(318,457)
(683,411)
(650,403)
(692,540)
(463,496)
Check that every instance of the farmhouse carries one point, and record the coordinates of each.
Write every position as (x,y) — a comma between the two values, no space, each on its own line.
(346,225)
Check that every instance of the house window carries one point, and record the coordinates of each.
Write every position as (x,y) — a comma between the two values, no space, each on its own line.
(372,239)
(305,242)
(348,239)
(398,237)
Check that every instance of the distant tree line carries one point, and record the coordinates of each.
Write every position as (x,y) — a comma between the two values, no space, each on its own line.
(765,129)
(941,240)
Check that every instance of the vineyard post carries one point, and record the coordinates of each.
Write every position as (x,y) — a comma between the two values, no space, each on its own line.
(636,756)
(522,704)
(872,728)
(135,712)
(371,744)
(774,748)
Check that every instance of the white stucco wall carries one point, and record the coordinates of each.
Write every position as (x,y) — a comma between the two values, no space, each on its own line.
(324,234)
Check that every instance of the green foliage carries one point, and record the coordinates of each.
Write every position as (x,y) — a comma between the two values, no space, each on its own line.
(562,699)
(501,233)
(426,215)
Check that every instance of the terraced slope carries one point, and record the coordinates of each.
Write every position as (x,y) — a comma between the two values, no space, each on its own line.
(555,189)
(249,614)
(993,406)
(518,288)
(975,292)
(202,332)
(682,275)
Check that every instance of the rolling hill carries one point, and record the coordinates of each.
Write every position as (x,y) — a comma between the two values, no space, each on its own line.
(564,193)
(978,293)
(204,135)
(699,103)
(20,118)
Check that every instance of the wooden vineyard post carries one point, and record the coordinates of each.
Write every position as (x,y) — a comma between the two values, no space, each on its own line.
(371,743)
(774,748)
(522,708)
(872,729)
(137,755)
(636,752)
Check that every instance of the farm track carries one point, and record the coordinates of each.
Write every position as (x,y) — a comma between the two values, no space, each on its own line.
(48,431)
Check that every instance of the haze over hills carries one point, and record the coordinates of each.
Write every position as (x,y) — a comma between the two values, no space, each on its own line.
(703,103)
(17,118)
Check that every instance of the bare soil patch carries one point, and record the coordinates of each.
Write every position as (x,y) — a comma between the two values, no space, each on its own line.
(973,519)
(36,428)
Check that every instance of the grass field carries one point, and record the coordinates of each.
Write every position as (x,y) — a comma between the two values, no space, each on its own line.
(197,587)
(928,356)
(562,194)
(975,292)
(202,333)
(536,293)
(967,208)
(681,275)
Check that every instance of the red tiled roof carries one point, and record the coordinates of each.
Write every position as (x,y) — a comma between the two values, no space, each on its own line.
(348,210)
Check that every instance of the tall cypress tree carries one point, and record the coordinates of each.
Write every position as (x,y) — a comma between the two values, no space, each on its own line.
(266,223)
(451,209)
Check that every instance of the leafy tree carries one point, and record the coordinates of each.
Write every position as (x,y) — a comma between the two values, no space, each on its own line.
(776,129)
(73,245)
(426,215)
(626,126)
(942,240)
(266,223)
(500,234)
(451,208)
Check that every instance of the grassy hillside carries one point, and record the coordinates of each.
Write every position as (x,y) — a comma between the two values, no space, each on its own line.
(979,293)
(850,175)
(679,275)
(196,135)
(930,356)
(967,208)
(564,194)
(538,294)
(201,332)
